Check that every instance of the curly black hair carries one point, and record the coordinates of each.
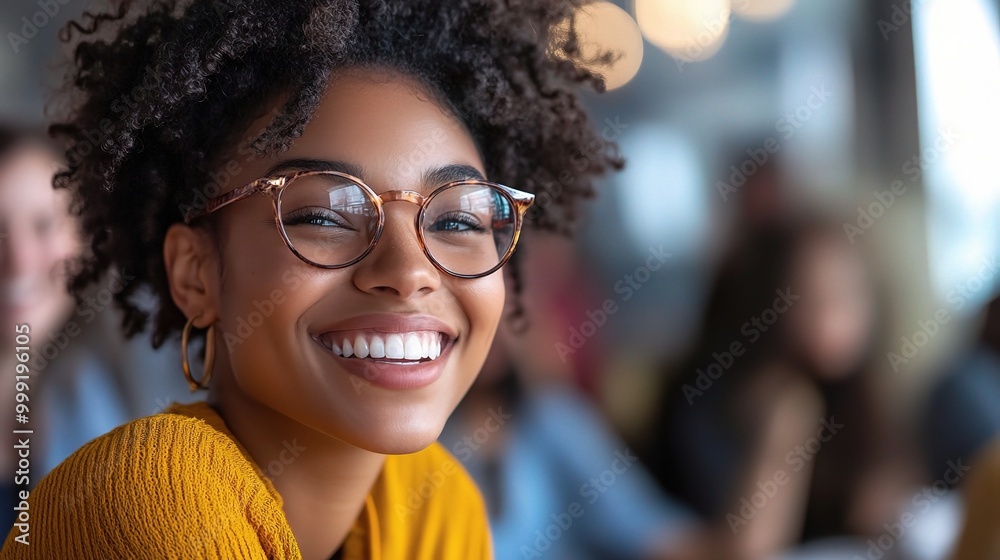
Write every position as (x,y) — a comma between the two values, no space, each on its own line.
(159,91)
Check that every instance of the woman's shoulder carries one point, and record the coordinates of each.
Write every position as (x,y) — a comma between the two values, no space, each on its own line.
(163,483)
(185,446)
(166,443)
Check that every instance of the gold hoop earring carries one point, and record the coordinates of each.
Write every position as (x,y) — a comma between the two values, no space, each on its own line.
(206,375)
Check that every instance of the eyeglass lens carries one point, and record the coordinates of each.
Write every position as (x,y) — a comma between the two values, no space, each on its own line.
(330,220)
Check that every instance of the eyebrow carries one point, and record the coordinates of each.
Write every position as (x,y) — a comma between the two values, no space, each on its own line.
(434,177)
(310,164)
(453,172)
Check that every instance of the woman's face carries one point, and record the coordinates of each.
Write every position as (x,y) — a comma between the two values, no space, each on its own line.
(277,314)
(833,321)
(37,235)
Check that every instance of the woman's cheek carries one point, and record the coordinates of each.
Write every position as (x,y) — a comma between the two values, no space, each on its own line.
(483,302)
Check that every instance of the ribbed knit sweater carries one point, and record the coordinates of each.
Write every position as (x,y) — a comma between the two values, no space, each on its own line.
(179,485)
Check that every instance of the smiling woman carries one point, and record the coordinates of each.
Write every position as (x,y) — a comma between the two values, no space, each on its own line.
(319,188)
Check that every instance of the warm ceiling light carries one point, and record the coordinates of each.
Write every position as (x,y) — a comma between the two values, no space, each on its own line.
(600,27)
(688,30)
(762,10)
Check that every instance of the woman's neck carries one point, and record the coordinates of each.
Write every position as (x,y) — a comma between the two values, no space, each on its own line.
(322,481)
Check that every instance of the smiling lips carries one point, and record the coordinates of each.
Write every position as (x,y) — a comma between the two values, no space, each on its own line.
(409,346)
(392,350)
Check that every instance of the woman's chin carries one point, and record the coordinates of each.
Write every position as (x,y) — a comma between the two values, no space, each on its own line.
(395,436)
(405,447)
(397,442)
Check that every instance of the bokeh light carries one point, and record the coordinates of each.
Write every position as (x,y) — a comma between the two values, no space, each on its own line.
(689,30)
(762,10)
(602,27)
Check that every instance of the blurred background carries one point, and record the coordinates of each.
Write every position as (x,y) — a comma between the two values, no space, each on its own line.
(773,336)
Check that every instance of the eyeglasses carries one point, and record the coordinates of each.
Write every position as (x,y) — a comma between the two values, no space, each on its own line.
(330,219)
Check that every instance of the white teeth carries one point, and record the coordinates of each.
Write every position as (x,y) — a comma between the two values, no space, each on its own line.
(412,347)
(377,347)
(394,347)
(360,347)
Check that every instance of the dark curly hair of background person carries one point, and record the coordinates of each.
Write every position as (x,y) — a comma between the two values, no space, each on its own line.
(160,91)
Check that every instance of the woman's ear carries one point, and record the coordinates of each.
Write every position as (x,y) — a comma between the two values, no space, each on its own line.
(192,265)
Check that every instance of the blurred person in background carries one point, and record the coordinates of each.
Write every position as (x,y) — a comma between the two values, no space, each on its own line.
(962,424)
(773,427)
(82,380)
(962,414)
(37,237)
(558,481)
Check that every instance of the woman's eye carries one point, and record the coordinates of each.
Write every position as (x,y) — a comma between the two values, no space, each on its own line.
(458,223)
(318,218)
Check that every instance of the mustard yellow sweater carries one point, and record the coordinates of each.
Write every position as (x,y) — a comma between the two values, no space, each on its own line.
(179,485)
(980,536)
